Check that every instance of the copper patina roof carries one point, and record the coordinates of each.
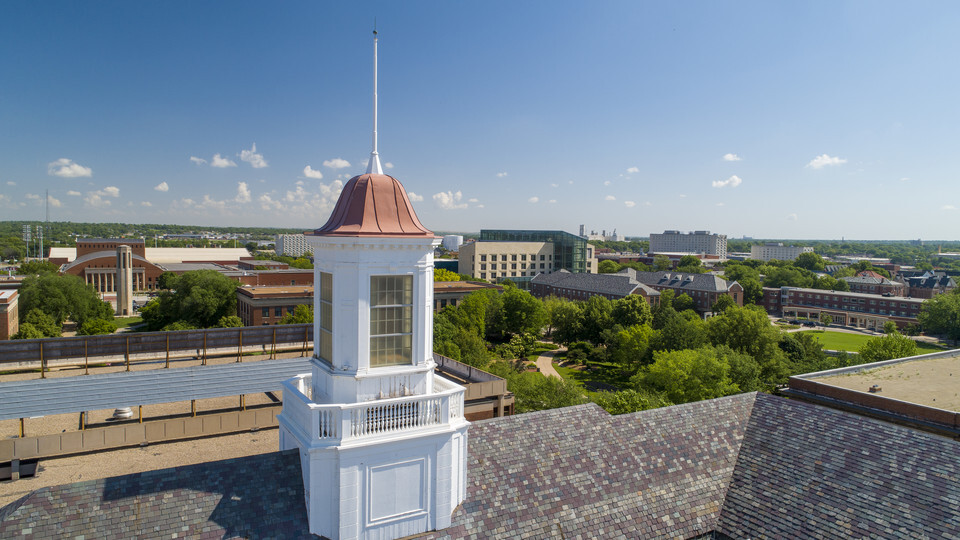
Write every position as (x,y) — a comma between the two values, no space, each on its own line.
(373,205)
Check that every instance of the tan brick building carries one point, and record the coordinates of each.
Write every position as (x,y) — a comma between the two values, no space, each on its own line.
(9,314)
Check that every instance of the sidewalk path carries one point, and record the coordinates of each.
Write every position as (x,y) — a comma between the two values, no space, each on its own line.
(545,363)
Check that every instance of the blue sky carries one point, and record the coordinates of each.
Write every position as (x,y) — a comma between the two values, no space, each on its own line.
(766,119)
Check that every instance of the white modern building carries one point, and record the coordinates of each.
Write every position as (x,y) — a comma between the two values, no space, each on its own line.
(778,251)
(452,242)
(291,245)
(699,242)
(382,438)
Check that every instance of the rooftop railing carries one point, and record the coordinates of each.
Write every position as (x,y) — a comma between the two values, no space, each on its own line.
(335,424)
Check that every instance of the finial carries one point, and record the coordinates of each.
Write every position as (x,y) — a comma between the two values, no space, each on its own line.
(374,166)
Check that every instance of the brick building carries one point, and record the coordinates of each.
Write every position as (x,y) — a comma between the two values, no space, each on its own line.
(9,314)
(873,283)
(267,305)
(451,293)
(929,285)
(572,286)
(704,289)
(96,264)
(846,308)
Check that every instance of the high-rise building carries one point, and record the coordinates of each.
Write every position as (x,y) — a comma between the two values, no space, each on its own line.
(778,251)
(692,242)
(291,245)
(518,255)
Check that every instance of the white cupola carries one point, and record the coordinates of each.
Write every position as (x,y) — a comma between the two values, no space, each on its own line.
(382,438)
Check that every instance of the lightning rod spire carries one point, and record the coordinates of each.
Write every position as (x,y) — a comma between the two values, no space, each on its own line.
(374,166)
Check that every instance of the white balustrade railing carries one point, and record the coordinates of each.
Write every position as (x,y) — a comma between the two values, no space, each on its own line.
(336,423)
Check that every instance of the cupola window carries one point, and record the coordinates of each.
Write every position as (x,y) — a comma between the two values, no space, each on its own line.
(391,320)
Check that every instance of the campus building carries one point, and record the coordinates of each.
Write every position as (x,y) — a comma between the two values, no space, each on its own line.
(291,245)
(704,289)
(861,310)
(929,284)
(777,251)
(873,283)
(518,255)
(691,242)
(9,313)
(564,284)
(96,263)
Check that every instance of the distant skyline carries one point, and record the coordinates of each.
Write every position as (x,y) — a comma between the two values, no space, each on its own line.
(771,120)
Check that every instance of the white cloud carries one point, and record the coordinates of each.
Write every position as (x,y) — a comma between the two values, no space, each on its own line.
(533,200)
(479,206)
(683,195)
(54,202)
(336,163)
(243,193)
(570,182)
(731,157)
(791,217)
(501,174)
(146,203)
(11,183)
(162,186)
(414,197)
(111,191)
(905,179)
(720,204)
(96,200)
(473,201)
(606,183)
(74,193)
(733,182)
(388,165)
(66,168)
(198,161)
(629,204)
(32,196)
(221,162)
(948,207)
(449,200)
(823,160)
(609,198)
(310,172)
(554,185)
(647,203)
(253,158)
(633,170)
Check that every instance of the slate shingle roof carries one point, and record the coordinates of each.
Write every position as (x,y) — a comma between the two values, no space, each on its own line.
(867,280)
(751,465)
(681,280)
(931,282)
(610,284)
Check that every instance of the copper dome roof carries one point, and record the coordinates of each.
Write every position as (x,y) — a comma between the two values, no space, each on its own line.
(373,205)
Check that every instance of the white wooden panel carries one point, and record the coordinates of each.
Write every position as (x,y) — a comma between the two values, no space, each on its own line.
(41,397)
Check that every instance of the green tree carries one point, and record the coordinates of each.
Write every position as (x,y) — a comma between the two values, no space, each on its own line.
(37,267)
(810,261)
(687,375)
(887,347)
(201,299)
(95,327)
(787,276)
(567,322)
(597,317)
(631,310)
(441,274)
(748,330)
(679,331)
(302,314)
(889,327)
(63,297)
(661,263)
(232,321)
(167,280)
(608,267)
(36,321)
(628,401)
(631,347)
(825,318)
(534,392)
(521,313)
(683,302)
(28,331)
(690,264)
(722,303)
(941,315)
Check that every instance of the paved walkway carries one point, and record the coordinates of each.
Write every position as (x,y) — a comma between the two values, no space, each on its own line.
(545,363)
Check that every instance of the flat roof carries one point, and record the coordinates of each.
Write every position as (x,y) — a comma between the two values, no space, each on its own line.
(282,289)
(934,382)
(7,295)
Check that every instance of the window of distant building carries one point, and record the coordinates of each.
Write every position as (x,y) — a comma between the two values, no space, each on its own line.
(265,313)
(483,258)
(325,348)
(391,320)
(513,257)
(523,257)
(278,311)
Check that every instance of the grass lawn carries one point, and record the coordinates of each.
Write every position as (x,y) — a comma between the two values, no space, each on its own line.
(123,322)
(842,341)
(604,376)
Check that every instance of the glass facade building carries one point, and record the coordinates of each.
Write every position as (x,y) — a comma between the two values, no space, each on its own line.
(569,250)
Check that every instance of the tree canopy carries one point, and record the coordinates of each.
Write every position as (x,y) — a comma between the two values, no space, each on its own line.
(199,300)
(63,297)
